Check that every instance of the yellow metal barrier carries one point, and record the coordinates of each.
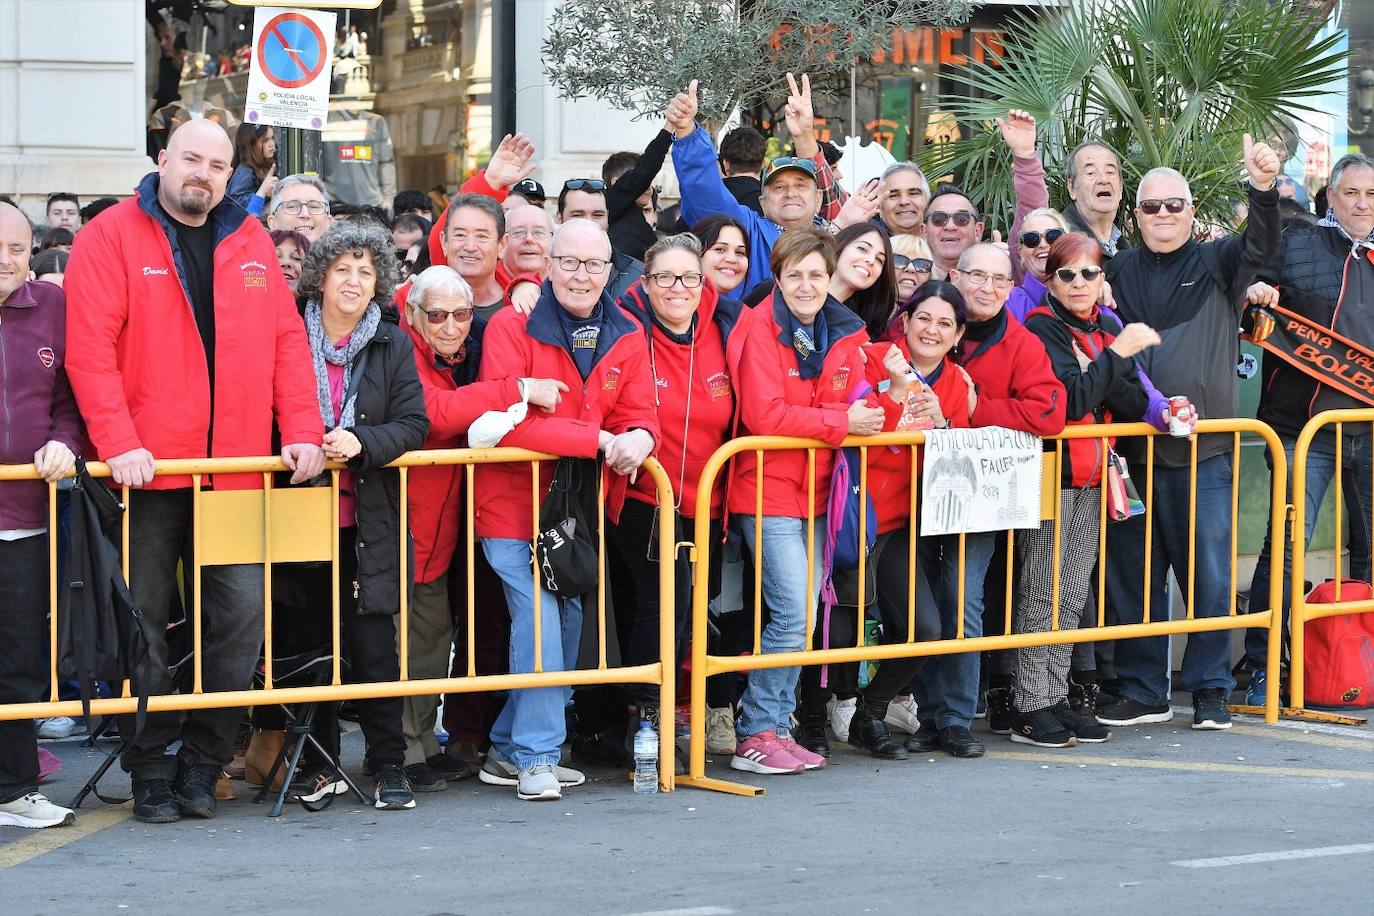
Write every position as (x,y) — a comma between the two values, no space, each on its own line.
(704,665)
(1302,611)
(291,525)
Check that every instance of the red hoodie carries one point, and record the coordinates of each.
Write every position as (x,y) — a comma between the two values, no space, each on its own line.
(689,437)
(889,472)
(617,396)
(436,510)
(135,358)
(774,400)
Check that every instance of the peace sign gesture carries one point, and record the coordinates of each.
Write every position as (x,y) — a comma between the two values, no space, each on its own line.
(801,117)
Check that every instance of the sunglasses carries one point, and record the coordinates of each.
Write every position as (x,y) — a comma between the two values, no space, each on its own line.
(439,316)
(1068,274)
(961,219)
(584,184)
(1032,239)
(1151,205)
(920,265)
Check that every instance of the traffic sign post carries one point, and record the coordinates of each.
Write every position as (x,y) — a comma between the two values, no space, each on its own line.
(288,81)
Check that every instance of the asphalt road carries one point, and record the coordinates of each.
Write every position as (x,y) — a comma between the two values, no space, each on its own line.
(1159,820)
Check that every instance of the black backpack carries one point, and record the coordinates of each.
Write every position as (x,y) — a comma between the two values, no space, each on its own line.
(102,635)
(566,547)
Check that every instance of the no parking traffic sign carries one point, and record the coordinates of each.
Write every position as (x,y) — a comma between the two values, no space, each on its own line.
(288,83)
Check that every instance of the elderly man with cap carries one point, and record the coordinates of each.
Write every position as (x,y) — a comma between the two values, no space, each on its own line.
(524,192)
(798,191)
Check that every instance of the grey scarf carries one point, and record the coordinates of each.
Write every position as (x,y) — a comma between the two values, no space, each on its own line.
(322,350)
(1330,221)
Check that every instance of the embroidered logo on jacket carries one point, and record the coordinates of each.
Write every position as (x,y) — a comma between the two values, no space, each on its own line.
(254,275)
(47,357)
(154,271)
(840,380)
(612,380)
(719,385)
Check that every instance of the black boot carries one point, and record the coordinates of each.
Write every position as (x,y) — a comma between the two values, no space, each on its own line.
(811,732)
(870,733)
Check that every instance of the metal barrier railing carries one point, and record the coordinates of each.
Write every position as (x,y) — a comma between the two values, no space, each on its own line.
(705,665)
(300,524)
(1302,612)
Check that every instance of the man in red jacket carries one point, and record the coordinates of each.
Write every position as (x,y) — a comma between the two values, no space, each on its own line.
(1014,386)
(577,335)
(183,341)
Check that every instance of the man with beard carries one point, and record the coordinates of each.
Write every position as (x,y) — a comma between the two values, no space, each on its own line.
(183,341)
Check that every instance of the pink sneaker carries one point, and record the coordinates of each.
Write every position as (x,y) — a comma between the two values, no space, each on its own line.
(765,753)
(809,760)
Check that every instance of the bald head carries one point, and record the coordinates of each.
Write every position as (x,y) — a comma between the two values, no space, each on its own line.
(16,241)
(194,170)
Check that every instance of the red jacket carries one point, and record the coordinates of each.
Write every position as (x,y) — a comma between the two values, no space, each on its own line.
(434,496)
(689,437)
(774,400)
(135,358)
(617,396)
(889,472)
(1016,385)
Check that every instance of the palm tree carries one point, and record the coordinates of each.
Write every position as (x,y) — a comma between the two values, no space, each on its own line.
(1163,82)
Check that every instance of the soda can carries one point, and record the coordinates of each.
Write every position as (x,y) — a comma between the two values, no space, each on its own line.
(1180,416)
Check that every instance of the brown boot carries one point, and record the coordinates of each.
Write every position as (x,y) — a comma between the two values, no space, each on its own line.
(262,750)
(224,789)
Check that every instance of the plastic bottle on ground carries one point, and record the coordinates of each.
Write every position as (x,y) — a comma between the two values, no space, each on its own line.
(646,759)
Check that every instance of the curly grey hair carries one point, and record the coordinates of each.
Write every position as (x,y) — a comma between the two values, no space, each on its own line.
(350,237)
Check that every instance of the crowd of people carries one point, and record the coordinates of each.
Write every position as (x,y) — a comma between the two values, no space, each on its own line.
(221,312)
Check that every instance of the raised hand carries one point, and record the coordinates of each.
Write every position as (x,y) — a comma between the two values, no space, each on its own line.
(681,114)
(1018,132)
(997,240)
(511,161)
(801,116)
(862,205)
(1261,162)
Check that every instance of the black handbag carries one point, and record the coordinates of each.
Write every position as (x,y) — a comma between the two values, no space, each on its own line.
(566,546)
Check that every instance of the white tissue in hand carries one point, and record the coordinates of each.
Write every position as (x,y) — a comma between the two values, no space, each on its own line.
(490,428)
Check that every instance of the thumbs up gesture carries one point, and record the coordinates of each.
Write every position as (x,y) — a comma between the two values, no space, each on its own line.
(1261,162)
(681,114)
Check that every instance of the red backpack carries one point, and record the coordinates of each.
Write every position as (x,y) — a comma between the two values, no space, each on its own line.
(1338,652)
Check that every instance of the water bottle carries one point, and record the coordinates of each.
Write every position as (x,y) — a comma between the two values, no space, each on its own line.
(646,759)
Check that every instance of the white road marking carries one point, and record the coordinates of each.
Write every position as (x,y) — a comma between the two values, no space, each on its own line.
(1259,857)
(689,911)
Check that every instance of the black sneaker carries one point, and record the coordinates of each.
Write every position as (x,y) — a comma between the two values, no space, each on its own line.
(155,802)
(1128,712)
(391,790)
(195,789)
(1209,709)
(1041,729)
(999,710)
(925,739)
(452,767)
(810,734)
(959,742)
(316,784)
(1084,693)
(1082,723)
(424,778)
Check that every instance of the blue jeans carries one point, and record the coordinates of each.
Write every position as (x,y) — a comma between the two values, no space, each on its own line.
(1142,664)
(771,694)
(946,689)
(1321,471)
(531,728)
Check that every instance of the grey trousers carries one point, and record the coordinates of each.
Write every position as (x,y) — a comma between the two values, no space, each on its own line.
(430,638)
(1042,672)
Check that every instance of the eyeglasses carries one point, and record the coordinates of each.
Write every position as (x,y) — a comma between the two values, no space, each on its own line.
(920,265)
(294,207)
(1032,239)
(521,234)
(1151,205)
(979,277)
(961,219)
(570,264)
(1068,274)
(584,184)
(689,280)
(439,316)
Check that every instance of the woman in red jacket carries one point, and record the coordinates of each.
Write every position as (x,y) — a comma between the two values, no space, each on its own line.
(686,324)
(1092,356)
(796,367)
(447,336)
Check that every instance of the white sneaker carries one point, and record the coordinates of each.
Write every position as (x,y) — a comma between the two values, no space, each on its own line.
(34,810)
(720,730)
(56,727)
(841,712)
(498,771)
(901,714)
(538,783)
